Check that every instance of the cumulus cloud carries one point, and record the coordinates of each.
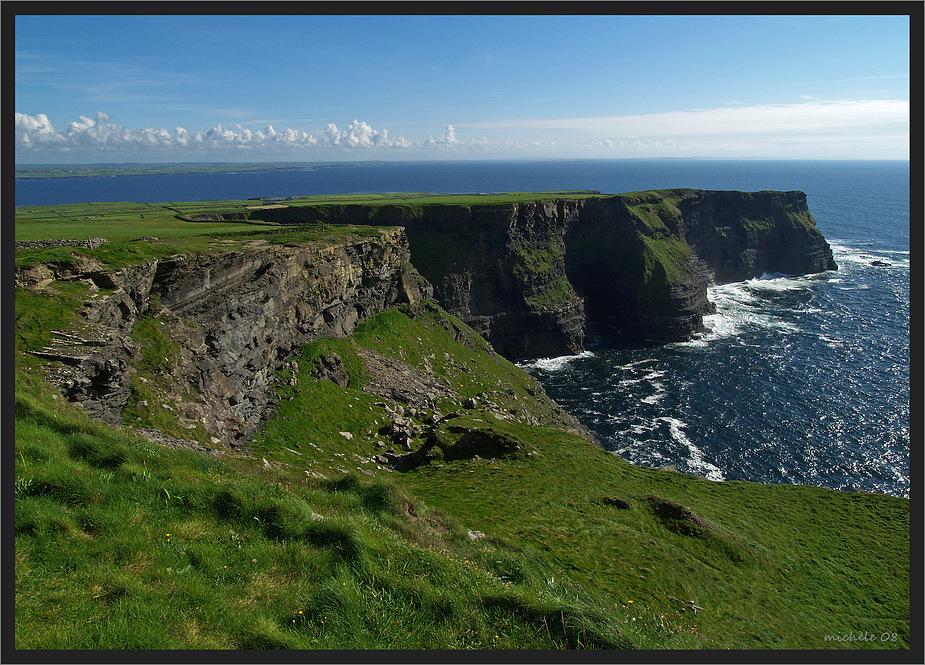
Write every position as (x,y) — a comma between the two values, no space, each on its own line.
(34,131)
(811,129)
(448,138)
(35,134)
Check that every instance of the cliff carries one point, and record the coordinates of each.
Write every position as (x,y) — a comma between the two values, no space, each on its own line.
(534,277)
(211,330)
(644,260)
(488,520)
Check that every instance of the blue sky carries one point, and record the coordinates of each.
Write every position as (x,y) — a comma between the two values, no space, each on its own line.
(355,88)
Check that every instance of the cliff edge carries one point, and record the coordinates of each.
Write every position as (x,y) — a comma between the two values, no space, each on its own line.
(211,330)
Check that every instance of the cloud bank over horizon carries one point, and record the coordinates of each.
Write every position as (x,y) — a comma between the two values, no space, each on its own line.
(35,135)
(844,129)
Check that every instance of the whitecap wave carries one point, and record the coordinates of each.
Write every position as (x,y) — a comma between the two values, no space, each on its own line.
(739,305)
(636,363)
(554,364)
(696,460)
(831,342)
(850,255)
(779,282)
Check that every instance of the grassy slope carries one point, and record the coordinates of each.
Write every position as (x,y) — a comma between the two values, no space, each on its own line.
(771,566)
(125,545)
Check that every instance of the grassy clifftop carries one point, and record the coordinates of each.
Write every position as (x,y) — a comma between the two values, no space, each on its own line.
(122,544)
(498,527)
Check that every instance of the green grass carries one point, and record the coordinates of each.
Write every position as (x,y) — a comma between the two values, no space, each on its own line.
(121,544)
(118,221)
(776,567)
(311,416)
(37,315)
(540,261)
(304,542)
(557,292)
(665,260)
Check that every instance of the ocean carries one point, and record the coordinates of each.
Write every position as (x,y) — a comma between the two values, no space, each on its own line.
(800,379)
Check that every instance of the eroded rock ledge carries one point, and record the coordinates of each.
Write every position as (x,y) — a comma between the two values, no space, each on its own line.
(231,320)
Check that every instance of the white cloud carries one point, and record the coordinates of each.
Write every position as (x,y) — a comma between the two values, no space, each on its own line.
(771,119)
(845,129)
(448,138)
(35,130)
(811,129)
(36,134)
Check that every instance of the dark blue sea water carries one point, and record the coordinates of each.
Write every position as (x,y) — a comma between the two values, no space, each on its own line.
(800,380)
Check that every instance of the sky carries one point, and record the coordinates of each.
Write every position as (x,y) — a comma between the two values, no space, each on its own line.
(211,88)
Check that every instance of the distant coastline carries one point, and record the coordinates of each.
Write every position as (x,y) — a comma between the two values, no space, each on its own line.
(105,170)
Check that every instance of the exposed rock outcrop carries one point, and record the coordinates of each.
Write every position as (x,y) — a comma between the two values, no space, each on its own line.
(233,319)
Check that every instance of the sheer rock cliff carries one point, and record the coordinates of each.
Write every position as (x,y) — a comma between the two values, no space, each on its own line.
(535,277)
(231,320)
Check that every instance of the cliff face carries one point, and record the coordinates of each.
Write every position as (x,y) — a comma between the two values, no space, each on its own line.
(742,235)
(532,277)
(228,322)
(635,271)
(644,260)
(502,270)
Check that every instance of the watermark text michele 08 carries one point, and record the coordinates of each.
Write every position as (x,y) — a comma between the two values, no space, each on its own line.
(862,636)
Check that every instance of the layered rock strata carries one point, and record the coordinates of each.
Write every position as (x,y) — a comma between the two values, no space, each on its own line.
(232,320)
(532,278)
